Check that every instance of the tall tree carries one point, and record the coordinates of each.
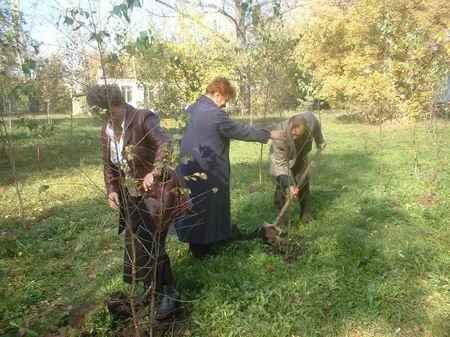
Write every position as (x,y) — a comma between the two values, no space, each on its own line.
(52,87)
(381,58)
(245,17)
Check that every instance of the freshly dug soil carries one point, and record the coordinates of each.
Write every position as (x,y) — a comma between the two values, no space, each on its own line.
(280,244)
(120,310)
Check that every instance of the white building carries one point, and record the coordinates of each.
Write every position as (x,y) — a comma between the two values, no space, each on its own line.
(132,91)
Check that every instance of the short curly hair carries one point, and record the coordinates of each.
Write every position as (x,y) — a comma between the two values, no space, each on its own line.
(104,96)
(223,86)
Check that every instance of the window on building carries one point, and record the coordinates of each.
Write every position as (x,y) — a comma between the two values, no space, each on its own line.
(149,93)
(127,93)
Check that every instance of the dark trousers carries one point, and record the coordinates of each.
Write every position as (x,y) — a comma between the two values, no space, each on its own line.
(282,183)
(152,262)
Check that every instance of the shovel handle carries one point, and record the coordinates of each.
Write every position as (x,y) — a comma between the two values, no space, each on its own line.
(300,182)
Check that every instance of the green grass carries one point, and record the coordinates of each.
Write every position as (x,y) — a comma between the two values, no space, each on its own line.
(376,262)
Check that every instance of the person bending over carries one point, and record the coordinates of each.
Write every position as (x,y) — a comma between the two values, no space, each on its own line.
(288,160)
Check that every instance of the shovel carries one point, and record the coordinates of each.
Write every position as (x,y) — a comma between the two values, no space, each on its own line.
(270,230)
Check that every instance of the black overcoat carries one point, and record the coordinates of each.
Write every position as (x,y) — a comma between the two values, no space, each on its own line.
(206,140)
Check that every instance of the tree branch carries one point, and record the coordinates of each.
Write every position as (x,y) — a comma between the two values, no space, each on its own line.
(188,16)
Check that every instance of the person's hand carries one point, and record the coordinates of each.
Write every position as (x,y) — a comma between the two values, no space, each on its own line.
(322,146)
(277,135)
(148,182)
(113,200)
(294,190)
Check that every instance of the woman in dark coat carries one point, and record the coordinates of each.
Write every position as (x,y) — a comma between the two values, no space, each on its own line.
(132,142)
(206,141)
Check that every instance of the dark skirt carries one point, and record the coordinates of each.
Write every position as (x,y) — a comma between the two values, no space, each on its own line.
(209,220)
(152,262)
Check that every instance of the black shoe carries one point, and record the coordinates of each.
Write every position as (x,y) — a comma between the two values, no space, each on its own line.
(169,303)
(201,251)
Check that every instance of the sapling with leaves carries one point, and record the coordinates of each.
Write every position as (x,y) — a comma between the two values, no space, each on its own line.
(17,66)
(144,185)
(79,18)
(39,132)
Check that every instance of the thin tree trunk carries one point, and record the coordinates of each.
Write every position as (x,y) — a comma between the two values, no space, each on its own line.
(414,148)
(433,122)
(9,107)
(381,168)
(261,163)
(133,282)
(71,118)
(38,149)
(48,113)
(249,103)
(12,161)
(134,314)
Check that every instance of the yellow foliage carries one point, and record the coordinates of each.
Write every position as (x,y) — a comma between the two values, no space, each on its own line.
(383,59)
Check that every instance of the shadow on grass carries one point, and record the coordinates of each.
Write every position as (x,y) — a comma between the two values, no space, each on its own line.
(57,152)
(349,277)
(69,255)
(333,176)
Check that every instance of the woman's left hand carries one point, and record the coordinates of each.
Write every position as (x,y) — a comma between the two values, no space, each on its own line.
(149,181)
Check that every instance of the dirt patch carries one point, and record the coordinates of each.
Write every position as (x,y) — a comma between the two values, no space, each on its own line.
(61,332)
(120,310)
(77,316)
(427,200)
(280,244)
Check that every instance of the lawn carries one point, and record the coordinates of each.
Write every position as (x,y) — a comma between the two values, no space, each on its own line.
(376,258)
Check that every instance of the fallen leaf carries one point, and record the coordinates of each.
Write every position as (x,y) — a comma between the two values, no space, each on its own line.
(74,285)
